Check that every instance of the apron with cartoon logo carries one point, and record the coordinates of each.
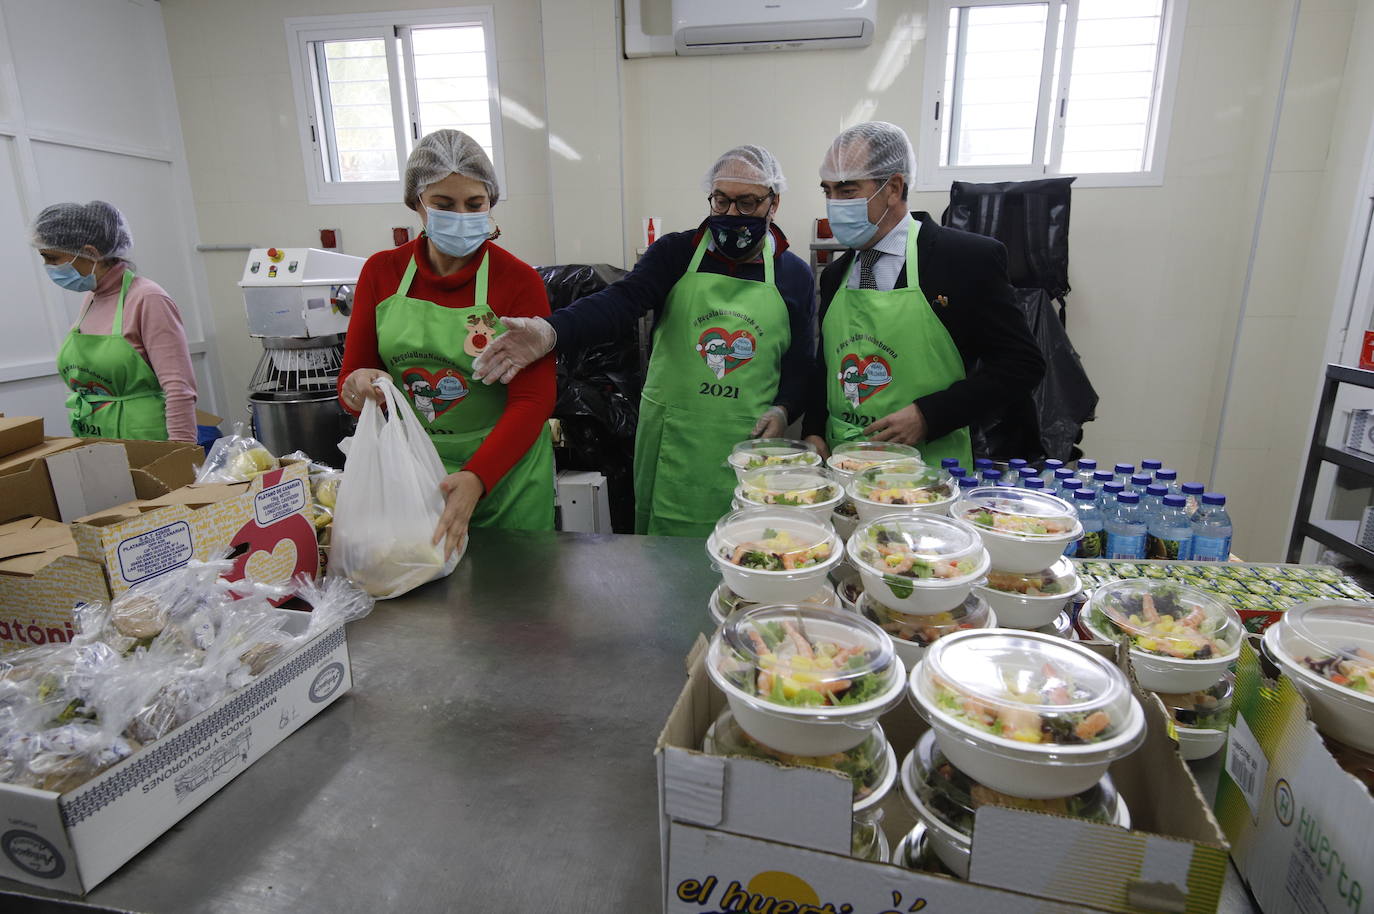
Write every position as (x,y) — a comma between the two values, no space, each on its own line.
(114,391)
(416,340)
(717,357)
(883,351)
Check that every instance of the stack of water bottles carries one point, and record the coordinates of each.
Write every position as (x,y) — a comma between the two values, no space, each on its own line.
(1127,512)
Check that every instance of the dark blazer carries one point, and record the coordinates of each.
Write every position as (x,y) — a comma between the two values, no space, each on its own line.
(964,277)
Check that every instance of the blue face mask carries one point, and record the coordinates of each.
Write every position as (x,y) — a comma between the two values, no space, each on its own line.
(457,234)
(849,220)
(67,276)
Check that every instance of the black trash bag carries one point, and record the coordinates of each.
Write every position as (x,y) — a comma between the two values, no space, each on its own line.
(598,394)
(1064,400)
(1030,217)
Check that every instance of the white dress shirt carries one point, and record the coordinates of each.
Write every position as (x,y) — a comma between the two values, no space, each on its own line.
(892,248)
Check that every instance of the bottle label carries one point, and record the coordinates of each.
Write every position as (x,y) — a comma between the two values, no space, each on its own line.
(1125,545)
(1211,548)
(1165,547)
(1092,545)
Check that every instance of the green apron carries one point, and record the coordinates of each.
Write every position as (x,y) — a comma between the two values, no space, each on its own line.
(114,391)
(717,358)
(420,343)
(883,351)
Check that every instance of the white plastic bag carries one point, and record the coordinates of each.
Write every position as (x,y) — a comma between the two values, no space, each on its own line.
(389,502)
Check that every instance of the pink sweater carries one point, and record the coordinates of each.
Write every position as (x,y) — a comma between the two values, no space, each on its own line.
(152,325)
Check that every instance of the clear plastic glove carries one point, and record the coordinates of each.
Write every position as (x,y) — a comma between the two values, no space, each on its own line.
(771,424)
(526,340)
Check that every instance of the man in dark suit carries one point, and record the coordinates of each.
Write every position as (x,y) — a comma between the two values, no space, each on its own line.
(916,363)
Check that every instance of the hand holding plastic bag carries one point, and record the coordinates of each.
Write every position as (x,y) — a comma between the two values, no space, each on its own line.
(389,503)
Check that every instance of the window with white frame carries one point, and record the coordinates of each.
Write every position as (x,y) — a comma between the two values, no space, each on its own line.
(368,86)
(1018,90)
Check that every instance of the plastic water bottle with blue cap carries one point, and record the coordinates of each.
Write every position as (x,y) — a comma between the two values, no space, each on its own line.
(1061,476)
(1106,497)
(1048,474)
(948,463)
(992,476)
(1139,482)
(1153,500)
(1093,543)
(1151,466)
(1126,529)
(1034,483)
(1212,530)
(1027,474)
(968,482)
(1122,472)
(1192,492)
(1170,531)
(1168,477)
(957,472)
(1086,468)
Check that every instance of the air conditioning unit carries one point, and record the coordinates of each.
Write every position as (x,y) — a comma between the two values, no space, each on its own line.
(742,26)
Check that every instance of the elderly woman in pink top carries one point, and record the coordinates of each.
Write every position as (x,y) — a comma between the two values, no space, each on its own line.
(126,361)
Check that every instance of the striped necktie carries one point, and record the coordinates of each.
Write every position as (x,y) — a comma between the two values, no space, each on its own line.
(867,259)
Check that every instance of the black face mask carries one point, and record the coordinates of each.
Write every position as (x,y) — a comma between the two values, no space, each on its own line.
(737,237)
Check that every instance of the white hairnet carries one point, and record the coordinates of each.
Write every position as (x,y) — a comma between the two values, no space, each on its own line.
(443,153)
(71,226)
(874,150)
(746,164)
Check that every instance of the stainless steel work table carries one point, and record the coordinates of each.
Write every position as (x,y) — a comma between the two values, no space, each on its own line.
(495,754)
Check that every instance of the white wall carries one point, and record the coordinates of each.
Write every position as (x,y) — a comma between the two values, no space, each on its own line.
(65,135)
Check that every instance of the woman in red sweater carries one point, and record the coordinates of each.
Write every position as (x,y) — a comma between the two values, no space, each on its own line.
(421,314)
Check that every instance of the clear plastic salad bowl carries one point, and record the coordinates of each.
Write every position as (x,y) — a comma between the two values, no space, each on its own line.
(901,487)
(1030,600)
(871,766)
(1024,531)
(912,634)
(946,800)
(919,564)
(852,457)
(771,555)
(725,601)
(772,452)
(1201,718)
(805,680)
(800,488)
(1327,649)
(1024,713)
(1181,639)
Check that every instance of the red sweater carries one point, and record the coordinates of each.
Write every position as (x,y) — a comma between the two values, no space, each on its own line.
(513,290)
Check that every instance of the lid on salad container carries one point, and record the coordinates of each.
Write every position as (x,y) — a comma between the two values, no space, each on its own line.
(1058,579)
(954,798)
(725,601)
(1024,689)
(974,612)
(902,483)
(1165,618)
(789,486)
(1019,512)
(1335,641)
(928,540)
(870,766)
(767,452)
(773,539)
(853,456)
(793,656)
(1208,709)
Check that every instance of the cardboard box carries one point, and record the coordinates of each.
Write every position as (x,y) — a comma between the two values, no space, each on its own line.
(24,458)
(73,477)
(19,433)
(1299,825)
(264,525)
(73,841)
(732,831)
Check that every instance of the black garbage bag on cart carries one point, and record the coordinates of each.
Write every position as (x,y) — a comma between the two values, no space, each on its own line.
(1063,401)
(598,394)
(1031,218)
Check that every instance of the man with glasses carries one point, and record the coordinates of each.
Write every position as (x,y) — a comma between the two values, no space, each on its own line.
(920,336)
(733,343)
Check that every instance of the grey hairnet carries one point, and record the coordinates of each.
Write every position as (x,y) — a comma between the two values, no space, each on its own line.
(873,150)
(443,153)
(71,226)
(746,164)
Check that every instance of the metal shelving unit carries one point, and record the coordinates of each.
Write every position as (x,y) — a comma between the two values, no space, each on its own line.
(1339,535)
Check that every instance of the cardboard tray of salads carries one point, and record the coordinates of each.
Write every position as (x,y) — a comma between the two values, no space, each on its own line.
(1259,592)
